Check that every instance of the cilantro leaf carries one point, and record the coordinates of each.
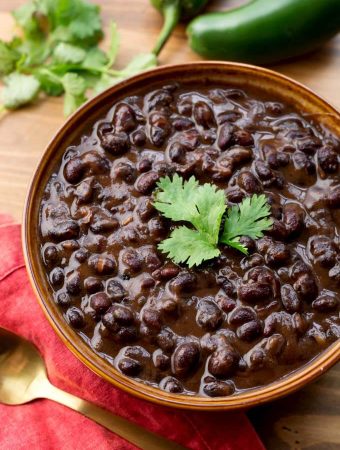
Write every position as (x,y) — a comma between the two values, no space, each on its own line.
(203,206)
(114,44)
(250,218)
(95,58)
(26,16)
(69,54)
(188,246)
(176,198)
(75,88)
(8,58)
(19,90)
(50,82)
(210,203)
(140,63)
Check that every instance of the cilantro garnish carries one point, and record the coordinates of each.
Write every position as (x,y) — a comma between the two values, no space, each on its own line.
(57,53)
(250,218)
(203,206)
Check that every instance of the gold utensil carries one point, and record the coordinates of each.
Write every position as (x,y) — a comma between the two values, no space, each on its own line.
(23,378)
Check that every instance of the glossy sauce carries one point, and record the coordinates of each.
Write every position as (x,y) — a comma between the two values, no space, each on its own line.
(236,322)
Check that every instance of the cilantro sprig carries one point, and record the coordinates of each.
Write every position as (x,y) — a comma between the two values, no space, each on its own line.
(57,53)
(204,207)
(201,205)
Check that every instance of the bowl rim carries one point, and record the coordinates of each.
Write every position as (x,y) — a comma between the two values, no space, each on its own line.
(252,397)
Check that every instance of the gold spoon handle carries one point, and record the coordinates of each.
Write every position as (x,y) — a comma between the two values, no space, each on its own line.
(133,433)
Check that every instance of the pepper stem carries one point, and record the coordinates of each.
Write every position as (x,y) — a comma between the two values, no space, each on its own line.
(171,14)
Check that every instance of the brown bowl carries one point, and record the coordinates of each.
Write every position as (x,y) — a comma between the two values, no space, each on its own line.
(240,75)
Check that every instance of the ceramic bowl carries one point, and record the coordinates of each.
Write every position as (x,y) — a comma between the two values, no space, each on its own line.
(235,75)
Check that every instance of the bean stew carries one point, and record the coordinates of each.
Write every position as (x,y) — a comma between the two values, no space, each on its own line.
(235,322)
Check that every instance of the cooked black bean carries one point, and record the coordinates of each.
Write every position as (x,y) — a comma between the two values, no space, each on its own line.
(249,331)
(146,182)
(100,302)
(129,366)
(75,317)
(223,362)
(218,389)
(290,299)
(236,321)
(185,358)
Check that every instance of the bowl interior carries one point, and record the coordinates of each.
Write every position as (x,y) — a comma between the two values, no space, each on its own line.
(266,83)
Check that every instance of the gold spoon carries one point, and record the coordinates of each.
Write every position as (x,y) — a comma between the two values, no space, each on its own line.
(23,378)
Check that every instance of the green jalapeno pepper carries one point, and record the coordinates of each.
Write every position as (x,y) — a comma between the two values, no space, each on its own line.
(173,11)
(265,31)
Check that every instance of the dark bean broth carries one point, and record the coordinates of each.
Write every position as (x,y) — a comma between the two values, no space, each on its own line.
(236,322)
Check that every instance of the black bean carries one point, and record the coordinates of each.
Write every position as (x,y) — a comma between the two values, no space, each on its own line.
(133,263)
(73,283)
(275,344)
(146,182)
(57,277)
(218,389)
(324,251)
(290,299)
(249,331)
(209,315)
(75,317)
(182,123)
(115,290)
(263,171)
(185,358)
(184,282)
(138,138)
(81,255)
(227,304)
(255,292)
(306,287)
(243,137)
(241,315)
(249,183)
(161,361)
(177,153)
(204,115)
(93,284)
(166,340)
(124,118)
(278,254)
(51,255)
(74,170)
(122,314)
(64,230)
(293,218)
(126,335)
(129,366)
(124,171)
(116,144)
(328,159)
(152,318)
(84,191)
(63,299)
(225,136)
(223,362)
(171,384)
(102,265)
(325,303)
(100,302)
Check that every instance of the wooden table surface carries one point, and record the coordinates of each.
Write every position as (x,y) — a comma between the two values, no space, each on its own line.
(308,419)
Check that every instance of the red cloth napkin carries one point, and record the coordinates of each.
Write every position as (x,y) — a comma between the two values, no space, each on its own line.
(45,425)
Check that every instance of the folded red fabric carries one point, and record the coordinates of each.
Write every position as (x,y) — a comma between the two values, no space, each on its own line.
(45,425)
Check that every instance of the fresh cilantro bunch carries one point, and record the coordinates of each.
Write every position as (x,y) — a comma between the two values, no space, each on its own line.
(57,53)
(203,206)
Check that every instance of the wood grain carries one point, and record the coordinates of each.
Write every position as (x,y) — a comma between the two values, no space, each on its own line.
(309,419)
